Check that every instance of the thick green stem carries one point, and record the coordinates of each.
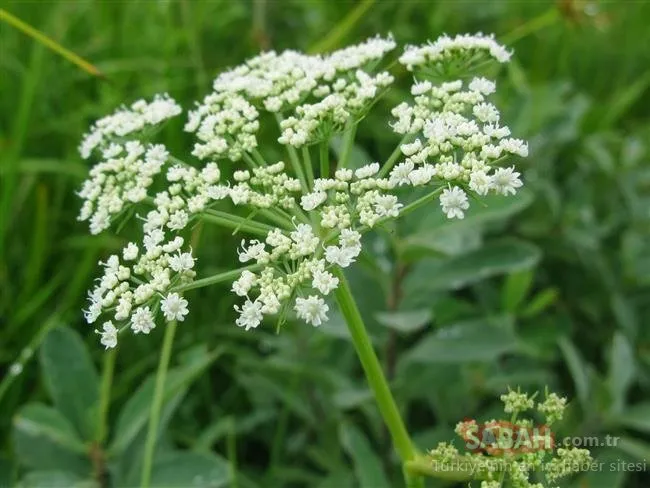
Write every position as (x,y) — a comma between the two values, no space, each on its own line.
(324,160)
(105,395)
(156,404)
(375,376)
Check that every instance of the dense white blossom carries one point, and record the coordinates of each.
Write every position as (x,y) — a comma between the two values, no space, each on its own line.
(127,121)
(305,225)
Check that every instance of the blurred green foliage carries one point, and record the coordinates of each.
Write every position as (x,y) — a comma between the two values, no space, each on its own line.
(549,288)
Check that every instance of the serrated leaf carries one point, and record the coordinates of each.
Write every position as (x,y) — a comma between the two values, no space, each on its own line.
(187,469)
(478,340)
(71,378)
(404,321)
(367,465)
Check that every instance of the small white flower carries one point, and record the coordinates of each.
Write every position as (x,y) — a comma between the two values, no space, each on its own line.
(142,320)
(244,283)
(130,252)
(506,181)
(454,202)
(480,182)
(250,314)
(312,200)
(341,256)
(387,206)
(174,307)
(324,281)
(400,173)
(367,171)
(482,85)
(181,262)
(108,335)
(312,310)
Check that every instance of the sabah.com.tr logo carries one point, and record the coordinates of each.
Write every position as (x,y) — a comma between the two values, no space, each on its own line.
(498,437)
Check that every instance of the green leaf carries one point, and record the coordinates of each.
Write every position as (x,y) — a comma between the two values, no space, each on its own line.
(38,420)
(577,368)
(186,469)
(6,472)
(404,321)
(540,302)
(135,414)
(44,439)
(478,340)
(367,465)
(636,448)
(460,271)
(604,473)
(55,479)
(621,370)
(636,417)
(515,289)
(70,378)
(491,209)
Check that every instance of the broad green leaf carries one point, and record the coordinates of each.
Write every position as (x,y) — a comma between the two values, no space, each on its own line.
(135,414)
(70,378)
(605,472)
(515,289)
(45,440)
(577,368)
(636,417)
(45,422)
(473,340)
(460,271)
(621,370)
(404,321)
(367,464)
(55,479)
(187,469)
(637,448)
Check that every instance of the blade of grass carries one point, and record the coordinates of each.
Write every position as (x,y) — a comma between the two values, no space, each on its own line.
(342,29)
(50,43)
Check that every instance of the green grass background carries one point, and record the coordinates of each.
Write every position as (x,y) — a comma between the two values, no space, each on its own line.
(292,409)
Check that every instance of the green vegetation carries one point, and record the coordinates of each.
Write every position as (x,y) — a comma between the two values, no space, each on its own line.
(549,288)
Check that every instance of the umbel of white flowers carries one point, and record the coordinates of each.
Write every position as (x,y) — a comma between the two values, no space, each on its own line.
(452,140)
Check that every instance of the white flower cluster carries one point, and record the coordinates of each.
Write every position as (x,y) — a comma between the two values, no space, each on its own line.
(122,178)
(457,139)
(127,121)
(453,141)
(320,93)
(301,259)
(463,47)
(132,289)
